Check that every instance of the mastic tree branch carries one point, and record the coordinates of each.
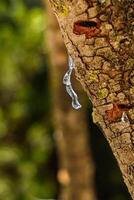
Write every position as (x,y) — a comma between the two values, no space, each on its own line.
(99,35)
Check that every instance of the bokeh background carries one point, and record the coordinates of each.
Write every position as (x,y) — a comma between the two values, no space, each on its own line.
(28,158)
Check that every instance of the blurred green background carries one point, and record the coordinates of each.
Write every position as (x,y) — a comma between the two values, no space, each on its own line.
(28,162)
(26,141)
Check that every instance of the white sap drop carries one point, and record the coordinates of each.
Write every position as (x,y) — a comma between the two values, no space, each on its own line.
(124,117)
(73,95)
(67,82)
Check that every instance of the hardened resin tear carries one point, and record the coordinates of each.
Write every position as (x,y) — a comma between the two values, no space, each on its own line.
(124,117)
(67,82)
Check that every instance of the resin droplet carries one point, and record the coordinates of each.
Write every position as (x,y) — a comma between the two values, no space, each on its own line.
(73,95)
(124,117)
(67,82)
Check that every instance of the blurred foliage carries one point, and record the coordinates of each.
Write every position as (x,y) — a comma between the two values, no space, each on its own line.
(26,141)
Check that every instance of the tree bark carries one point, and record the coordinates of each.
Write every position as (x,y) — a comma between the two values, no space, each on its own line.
(99,35)
(76,167)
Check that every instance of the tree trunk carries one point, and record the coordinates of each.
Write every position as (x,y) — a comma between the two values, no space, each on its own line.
(99,35)
(76,168)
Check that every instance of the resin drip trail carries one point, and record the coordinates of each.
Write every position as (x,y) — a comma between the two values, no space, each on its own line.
(67,82)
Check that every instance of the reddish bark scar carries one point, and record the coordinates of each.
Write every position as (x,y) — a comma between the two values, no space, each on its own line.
(115,113)
(89,28)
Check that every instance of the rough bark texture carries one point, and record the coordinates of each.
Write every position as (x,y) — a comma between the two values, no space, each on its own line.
(76,168)
(99,35)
